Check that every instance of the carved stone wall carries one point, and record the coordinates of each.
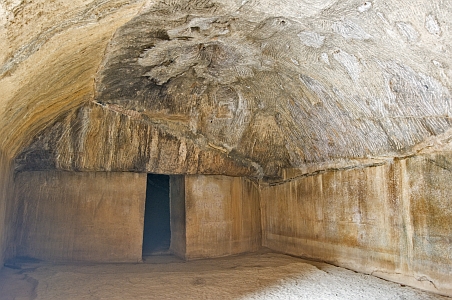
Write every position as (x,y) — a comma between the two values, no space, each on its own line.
(393,221)
(178,218)
(6,208)
(99,216)
(70,216)
(222,216)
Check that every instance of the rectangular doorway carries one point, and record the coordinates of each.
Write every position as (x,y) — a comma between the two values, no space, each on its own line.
(157,229)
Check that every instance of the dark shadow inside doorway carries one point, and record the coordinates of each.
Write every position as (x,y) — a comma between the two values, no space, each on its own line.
(157,232)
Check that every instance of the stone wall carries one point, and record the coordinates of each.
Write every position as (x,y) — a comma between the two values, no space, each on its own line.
(98,216)
(177,215)
(5,207)
(222,216)
(70,216)
(393,221)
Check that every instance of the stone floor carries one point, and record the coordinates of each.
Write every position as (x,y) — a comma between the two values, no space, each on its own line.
(261,275)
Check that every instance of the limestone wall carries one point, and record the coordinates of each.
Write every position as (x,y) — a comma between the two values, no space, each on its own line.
(5,206)
(177,215)
(393,221)
(70,216)
(222,216)
(98,216)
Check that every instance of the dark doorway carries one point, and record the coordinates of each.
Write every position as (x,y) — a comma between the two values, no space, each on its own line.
(157,232)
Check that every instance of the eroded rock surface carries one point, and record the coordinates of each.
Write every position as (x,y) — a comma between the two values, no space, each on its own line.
(260,91)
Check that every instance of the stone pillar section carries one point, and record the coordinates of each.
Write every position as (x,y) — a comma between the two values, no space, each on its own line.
(222,216)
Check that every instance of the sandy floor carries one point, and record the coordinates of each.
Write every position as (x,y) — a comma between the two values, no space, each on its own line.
(252,276)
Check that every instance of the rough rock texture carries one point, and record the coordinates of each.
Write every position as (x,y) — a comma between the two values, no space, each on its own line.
(351,81)
(49,62)
(124,143)
(393,221)
(257,86)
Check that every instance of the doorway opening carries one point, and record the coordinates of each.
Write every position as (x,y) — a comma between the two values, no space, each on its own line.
(157,230)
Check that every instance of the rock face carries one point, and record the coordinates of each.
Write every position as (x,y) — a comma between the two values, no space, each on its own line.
(99,216)
(260,91)
(392,220)
(74,216)
(277,92)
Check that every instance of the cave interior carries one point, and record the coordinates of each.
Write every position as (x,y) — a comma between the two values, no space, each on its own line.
(204,129)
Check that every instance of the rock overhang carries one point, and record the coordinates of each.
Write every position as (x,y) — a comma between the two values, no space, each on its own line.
(267,92)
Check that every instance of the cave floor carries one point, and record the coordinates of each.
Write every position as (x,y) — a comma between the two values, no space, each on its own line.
(262,275)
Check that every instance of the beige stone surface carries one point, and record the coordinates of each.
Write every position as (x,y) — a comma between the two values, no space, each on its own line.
(178,244)
(393,220)
(98,216)
(233,89)
(223,216)
(67,216)
(6,205)
(51,61)
(125,143)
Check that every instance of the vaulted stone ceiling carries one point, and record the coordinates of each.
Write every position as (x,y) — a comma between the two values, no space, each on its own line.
(223,87)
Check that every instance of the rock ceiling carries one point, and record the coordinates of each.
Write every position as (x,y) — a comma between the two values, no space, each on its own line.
(238,87)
